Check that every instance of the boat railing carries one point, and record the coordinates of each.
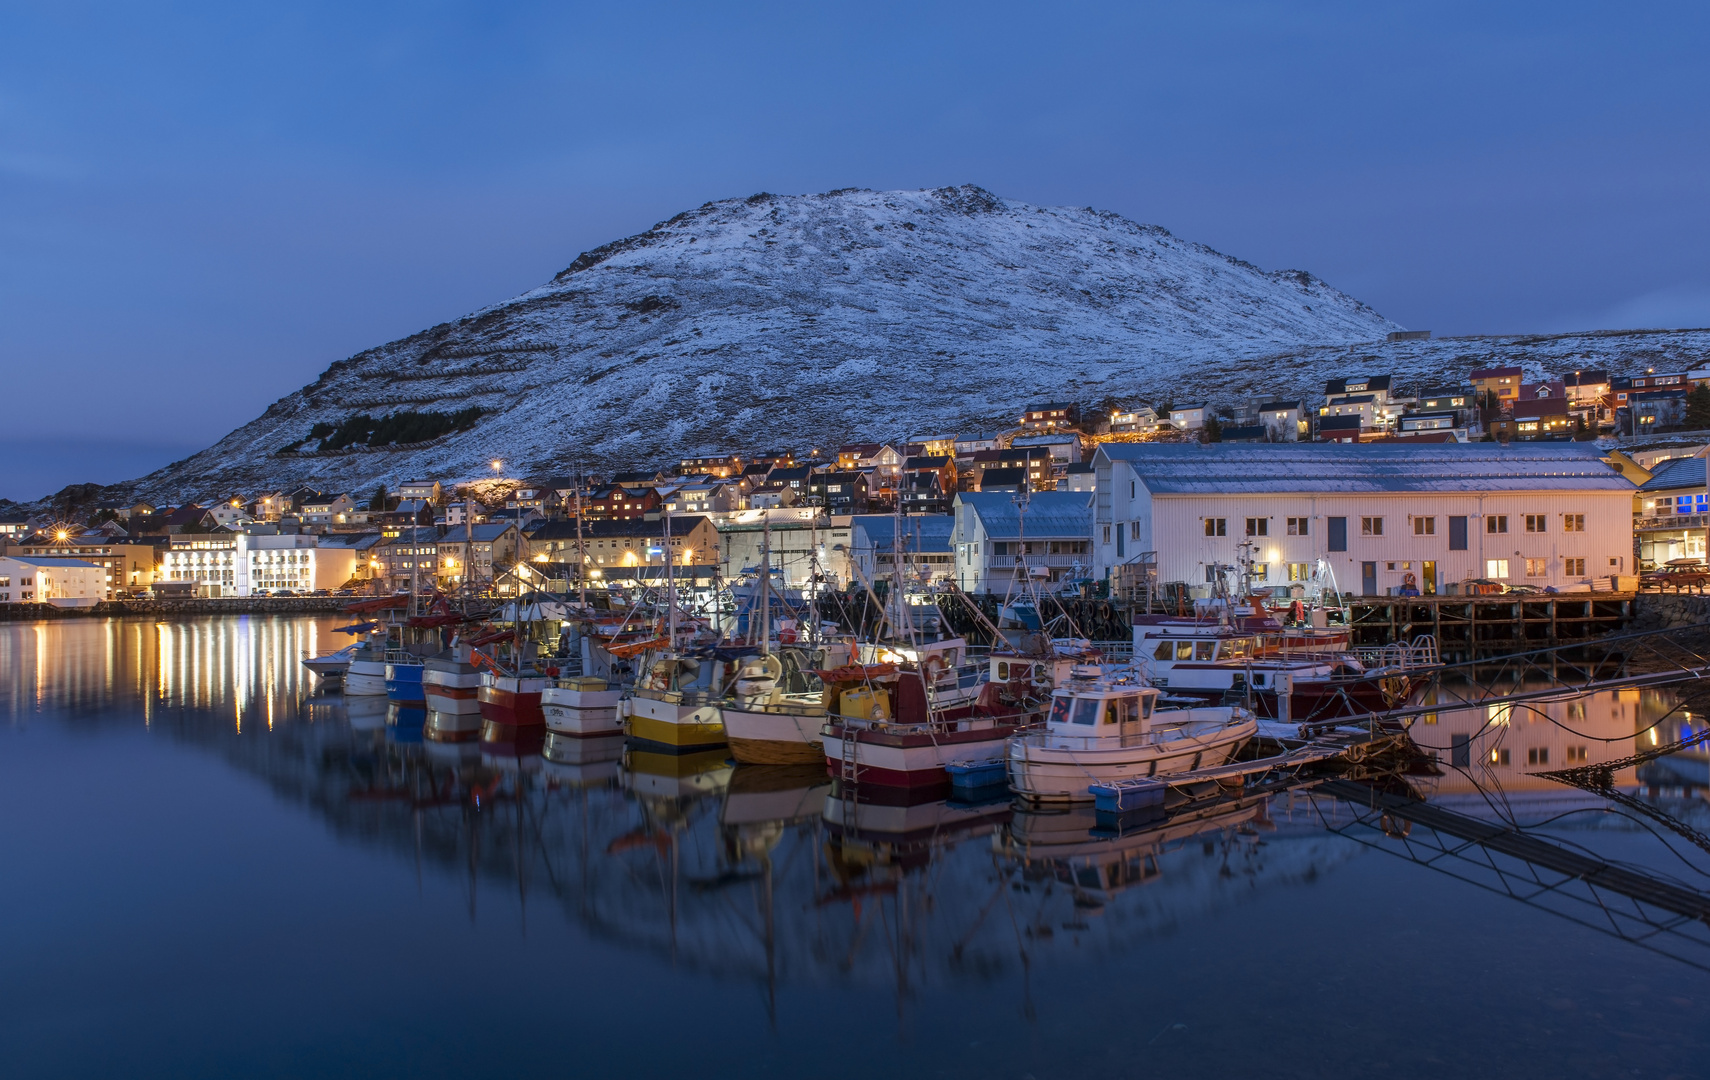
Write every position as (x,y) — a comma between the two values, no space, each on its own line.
(1420,652)
(402,656)
(782,708)
(676,697)
(1116,652)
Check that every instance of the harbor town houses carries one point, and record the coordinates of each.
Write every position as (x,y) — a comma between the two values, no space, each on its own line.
(1380,517)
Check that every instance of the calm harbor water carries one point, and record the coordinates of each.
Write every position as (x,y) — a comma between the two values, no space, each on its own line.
(208,869)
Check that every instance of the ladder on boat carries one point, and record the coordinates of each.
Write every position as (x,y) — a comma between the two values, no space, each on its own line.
(849,771)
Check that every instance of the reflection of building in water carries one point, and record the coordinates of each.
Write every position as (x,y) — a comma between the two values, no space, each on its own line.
(248,667)
(1503,745)
(742,873)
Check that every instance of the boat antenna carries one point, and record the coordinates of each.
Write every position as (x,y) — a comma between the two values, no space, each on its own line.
(765,583)
(670,584)
(581,543)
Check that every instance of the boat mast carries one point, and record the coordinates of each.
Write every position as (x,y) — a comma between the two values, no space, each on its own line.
(765,583)
(670,585)
(581,547)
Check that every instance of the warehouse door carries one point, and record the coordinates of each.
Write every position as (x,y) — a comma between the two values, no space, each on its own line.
(1368,578)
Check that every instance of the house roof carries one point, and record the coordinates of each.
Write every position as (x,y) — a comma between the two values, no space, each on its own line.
(1686,472)
(484,533)
(1245,433)
(1049,514)
(1367,383)
(1289,468)
(1496,373)
(999,477)
(1339,423)
(936,461)
(1279,406)
(1534,407)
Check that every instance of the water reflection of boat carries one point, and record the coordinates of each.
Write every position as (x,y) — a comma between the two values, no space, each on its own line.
(855,818)
(581,761)
(654,773)
(404,722)
(775,794)
(366,674)
(1068,844)
(451,727)
(365,712)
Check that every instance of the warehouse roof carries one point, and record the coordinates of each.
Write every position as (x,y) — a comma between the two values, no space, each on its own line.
(1304,468)
(1049,513)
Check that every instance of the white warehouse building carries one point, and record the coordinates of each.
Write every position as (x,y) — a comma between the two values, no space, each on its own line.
(1379,515)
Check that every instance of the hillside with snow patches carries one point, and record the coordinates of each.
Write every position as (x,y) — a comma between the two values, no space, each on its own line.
(814,320)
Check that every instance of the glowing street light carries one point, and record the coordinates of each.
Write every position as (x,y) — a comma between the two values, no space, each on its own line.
(497,466)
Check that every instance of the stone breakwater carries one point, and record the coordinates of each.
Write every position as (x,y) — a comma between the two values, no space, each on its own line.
(1669,611)
(181,609)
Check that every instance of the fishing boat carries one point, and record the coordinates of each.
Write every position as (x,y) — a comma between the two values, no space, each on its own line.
(452,683)
(1110,728)
(919,709)
(674,706)
(781,701)
(581,707)
(366,675)
(1211,660)
(404,677)
(510,701)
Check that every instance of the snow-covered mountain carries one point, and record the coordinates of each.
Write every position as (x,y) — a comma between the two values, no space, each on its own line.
(813,320)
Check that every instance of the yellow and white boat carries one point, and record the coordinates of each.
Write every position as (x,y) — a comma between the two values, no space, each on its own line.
(674,707)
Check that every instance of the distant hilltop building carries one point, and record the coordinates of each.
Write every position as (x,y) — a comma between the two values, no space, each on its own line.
(1409,335)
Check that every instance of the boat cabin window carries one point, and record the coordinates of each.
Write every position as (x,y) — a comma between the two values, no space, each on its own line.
(1087,710)
(1181,650)
(1146,706)
(1237,648)
(1007,671)
(1060,709)
(1204,650)
(1119,710)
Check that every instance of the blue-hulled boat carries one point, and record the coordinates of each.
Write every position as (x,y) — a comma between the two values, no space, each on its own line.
(404,677)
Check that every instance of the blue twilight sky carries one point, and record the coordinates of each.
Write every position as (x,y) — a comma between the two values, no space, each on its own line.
(202,205)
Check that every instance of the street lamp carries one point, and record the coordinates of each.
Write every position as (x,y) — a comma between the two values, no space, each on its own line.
(497,466)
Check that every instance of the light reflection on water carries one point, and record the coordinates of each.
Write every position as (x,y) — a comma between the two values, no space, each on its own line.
(689,865)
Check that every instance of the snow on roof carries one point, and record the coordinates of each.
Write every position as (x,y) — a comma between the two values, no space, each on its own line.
(929,533)
(1049,513)
(1286,468)
(1687,472)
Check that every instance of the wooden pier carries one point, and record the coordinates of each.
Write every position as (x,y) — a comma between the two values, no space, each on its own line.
(1474,627)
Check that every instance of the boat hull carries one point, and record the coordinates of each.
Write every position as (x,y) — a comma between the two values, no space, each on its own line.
(774,738)
(1043,769)
(511,705)
(893,759)
(404,683)
(584,714)
(672,726)
(365,678)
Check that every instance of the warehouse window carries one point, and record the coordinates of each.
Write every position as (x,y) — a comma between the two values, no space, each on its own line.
(1496,568)
(1536,567)
(1573,567)
(1496,523)
(1258,526)
(1216,527)
(1573,522)
(1535,522)
(1424,526)
(1297,526)
(1371,526)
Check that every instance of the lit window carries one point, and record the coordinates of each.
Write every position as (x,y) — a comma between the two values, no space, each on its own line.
(1573,522)
(1496,568)
(1216,526)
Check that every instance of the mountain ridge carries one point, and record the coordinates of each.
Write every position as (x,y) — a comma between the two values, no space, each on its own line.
(811,320)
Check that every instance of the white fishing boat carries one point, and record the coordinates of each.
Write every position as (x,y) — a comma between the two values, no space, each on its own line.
(366,675)
(581,707)
(452,684)
(1110,728)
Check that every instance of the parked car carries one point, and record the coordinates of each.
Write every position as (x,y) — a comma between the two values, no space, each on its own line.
(1677,574)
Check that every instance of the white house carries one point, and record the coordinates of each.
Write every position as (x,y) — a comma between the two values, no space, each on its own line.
(1376,515)
(1189,417)
(1000,540)
(1283,421)
(60,582)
